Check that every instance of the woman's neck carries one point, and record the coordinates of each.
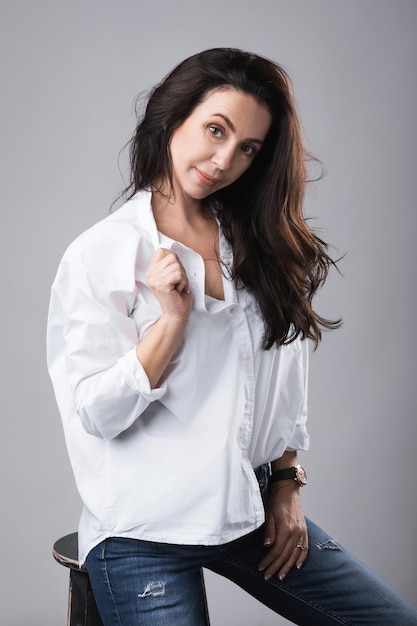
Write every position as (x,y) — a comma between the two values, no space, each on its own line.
(167,201)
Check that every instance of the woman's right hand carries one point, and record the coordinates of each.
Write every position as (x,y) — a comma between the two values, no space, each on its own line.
(168,281)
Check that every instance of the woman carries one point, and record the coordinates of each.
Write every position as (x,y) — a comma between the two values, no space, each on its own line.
(177,349)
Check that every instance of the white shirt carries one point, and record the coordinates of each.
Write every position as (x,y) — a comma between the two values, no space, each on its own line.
(172,464)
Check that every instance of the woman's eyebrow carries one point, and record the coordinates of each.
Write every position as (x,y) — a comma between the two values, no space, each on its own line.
(233,129)
(227,120)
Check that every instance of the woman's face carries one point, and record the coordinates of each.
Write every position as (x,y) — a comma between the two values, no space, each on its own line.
(217,142)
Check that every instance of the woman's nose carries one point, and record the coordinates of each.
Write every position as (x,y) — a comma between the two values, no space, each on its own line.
(223,157)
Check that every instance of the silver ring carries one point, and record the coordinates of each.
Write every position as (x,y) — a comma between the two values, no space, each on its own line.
(300,546)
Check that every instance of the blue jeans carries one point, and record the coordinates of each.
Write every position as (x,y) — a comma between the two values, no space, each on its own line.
(143,583)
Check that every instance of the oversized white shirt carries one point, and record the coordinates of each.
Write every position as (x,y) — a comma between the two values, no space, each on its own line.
(172,464)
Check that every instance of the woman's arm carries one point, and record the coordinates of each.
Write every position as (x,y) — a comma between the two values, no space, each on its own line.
(285,526)
(93,343)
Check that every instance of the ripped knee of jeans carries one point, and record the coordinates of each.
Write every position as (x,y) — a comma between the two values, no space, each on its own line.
(328,545)
(153,589)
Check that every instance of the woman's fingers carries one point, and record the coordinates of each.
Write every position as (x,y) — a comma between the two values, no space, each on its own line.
(168,281)
(283,556)
(166,272)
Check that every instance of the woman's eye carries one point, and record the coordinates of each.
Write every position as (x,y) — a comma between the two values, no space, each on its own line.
(249,150)
(216,131)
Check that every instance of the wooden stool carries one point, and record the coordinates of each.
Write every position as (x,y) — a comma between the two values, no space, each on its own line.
(82,608)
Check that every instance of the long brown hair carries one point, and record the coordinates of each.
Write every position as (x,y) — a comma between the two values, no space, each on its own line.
(276,255)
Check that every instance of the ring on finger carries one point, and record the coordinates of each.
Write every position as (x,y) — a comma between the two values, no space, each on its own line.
(300,546)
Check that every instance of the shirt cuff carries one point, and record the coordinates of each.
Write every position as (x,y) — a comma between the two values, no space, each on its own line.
(137,378)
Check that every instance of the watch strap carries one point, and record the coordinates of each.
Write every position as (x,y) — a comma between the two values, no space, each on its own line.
(283,474)
(296,473)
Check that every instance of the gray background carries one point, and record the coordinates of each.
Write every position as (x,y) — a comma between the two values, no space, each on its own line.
(70,71)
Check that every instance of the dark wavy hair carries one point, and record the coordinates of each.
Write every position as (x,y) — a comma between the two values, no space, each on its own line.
(276,255)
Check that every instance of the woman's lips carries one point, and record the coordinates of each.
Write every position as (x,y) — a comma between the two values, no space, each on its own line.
(206,179)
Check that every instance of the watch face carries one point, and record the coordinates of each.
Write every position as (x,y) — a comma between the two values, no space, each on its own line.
(301,475)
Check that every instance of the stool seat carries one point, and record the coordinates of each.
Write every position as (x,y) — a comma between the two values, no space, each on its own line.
(65,550)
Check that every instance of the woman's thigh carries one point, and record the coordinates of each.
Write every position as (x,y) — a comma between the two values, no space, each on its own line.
(140,583)
(331,588)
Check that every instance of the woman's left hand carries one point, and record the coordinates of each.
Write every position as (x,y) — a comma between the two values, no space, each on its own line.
(285,531)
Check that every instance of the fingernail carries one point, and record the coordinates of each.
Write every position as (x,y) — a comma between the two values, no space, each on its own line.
(261,569)
(281,576)
(267,541)
(299,565)
(267,577)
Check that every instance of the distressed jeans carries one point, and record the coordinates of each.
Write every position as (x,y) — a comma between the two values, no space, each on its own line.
(143,583)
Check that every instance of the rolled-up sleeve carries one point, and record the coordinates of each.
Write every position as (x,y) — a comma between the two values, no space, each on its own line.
(92,338)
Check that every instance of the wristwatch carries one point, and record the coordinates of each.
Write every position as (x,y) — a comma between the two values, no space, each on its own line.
(296,473)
